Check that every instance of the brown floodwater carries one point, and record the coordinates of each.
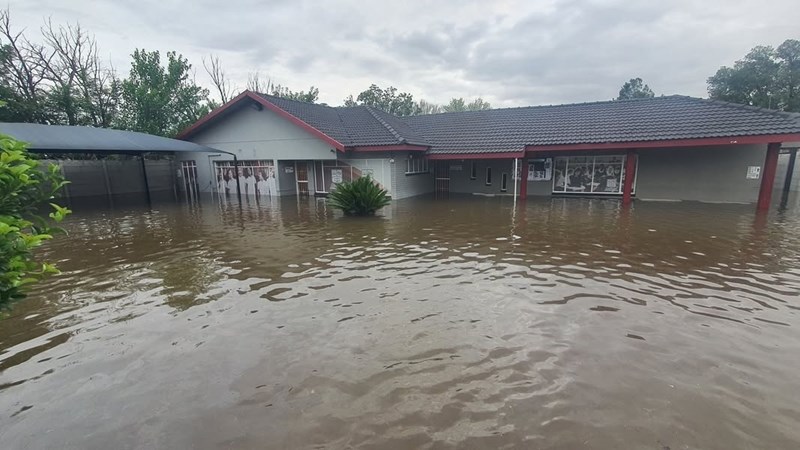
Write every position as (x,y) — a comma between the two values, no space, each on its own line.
(459,323)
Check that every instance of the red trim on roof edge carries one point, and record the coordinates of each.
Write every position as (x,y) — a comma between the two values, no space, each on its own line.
(389,148)
(269,105)
(762,139)
(451,156)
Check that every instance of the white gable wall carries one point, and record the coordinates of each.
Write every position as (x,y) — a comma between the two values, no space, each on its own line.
(254,135)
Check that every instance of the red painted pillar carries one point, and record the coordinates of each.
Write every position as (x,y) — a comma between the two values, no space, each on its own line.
(768,176)
(630,174)
(523,180)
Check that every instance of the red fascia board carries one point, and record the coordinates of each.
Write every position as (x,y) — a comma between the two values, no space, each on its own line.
(267,104)
(390,148)
(699,142)
(452,156)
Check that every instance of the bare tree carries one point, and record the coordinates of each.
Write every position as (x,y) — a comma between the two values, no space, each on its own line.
(256,84)
(71,71)
(24,65)
(217,74)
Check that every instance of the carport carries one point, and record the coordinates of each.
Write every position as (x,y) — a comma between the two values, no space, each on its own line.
(62,139)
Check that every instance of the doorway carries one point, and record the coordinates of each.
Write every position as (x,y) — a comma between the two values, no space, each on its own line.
(441,174)
(301,176)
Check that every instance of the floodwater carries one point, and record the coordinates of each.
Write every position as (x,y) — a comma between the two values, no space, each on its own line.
(460,323)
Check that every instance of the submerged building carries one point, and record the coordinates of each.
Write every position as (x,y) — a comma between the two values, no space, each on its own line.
(664,148)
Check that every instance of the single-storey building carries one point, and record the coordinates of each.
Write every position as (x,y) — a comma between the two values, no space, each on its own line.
(663,148)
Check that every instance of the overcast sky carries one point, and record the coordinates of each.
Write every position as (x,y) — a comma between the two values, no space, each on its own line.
(511,53)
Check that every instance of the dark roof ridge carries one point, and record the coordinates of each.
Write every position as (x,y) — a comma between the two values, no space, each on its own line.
(560,105)
(391,129)
(284,99)
(777,112)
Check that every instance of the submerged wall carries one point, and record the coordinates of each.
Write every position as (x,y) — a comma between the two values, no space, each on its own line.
(95,178)
(461,180)
(255,135)
(710,174)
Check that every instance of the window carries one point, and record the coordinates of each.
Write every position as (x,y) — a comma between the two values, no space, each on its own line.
(589,174)
(416,165)
(254,177)
(504,182)
(488,176)
(473,170)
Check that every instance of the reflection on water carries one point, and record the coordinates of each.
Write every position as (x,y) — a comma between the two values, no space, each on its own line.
(459,323)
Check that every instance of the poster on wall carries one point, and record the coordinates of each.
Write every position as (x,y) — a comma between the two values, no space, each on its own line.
(589,174)
(753,172)
(540,169)
(256,178)
(336,176)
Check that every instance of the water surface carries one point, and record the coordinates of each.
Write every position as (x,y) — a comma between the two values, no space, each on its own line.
(463,323)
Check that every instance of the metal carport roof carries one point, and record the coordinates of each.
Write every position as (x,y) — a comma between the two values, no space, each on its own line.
(76,139)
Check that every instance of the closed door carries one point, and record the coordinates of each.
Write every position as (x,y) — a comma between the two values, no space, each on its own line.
(301,174)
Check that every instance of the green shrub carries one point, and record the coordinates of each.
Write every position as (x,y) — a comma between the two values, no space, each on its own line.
(360,197)
(24,188)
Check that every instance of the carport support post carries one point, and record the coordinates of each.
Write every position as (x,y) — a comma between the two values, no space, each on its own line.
(768,176)
(516,172)
(630,174)
(146,183)
(787,182)
(236,174)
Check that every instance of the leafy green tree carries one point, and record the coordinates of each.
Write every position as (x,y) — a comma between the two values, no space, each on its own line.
(459,104)
(24,188)
(425,107)
(635,88)
(751,81)
(161,100)
(765,77)
(788,55)
(388,100)
(478,104)
(302,96)
(455,105)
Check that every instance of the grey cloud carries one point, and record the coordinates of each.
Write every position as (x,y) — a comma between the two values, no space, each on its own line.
(513,52)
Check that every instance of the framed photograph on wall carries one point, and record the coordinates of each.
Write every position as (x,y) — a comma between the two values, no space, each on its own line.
(540,169)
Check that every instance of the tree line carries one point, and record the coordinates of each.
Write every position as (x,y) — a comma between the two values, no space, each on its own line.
(767,77)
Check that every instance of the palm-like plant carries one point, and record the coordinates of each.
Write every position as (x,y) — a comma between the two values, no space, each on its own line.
(360,197)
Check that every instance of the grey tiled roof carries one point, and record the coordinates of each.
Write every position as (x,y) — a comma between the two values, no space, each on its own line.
(352,126)
(660,118)
(511,129)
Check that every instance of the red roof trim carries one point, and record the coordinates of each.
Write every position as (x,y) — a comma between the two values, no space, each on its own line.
(762,139)
(451,156)
(389,148)
(267,104)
